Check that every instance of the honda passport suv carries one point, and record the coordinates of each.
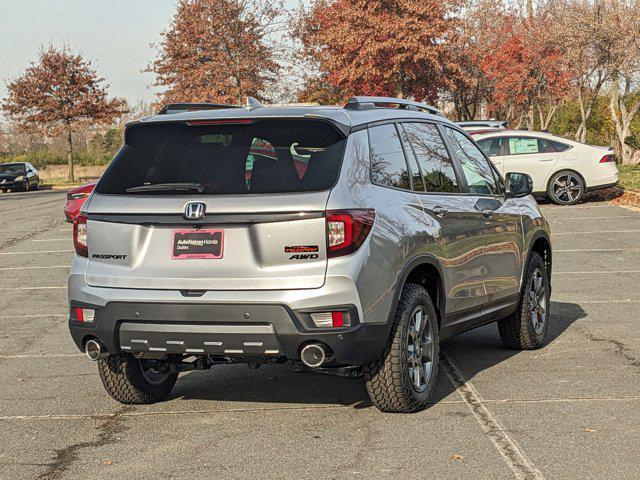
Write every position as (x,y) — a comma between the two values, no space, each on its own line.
(338,240)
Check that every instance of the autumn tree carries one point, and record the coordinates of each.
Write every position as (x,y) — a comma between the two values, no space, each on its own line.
(526,74)
(468,88)
(380,47)
(587,31)
(624,64)
(218,51)
(59,94)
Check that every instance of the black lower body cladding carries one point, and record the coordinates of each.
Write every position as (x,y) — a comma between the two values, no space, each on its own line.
(222,329)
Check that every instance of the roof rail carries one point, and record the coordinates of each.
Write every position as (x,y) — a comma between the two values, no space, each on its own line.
(192,107)
(367,103)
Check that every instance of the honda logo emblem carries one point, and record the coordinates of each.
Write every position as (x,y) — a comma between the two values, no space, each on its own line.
(194,211)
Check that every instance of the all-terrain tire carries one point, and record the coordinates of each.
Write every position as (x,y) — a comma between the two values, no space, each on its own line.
(123,378)
(387,379)
(517,330)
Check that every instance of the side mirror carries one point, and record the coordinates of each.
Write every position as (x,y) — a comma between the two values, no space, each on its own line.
(518,185)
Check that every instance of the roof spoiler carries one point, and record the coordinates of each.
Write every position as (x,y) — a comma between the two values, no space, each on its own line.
(192,107)
(368,103)
(251,104)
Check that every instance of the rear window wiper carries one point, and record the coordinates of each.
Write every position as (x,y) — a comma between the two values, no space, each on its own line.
(167,187)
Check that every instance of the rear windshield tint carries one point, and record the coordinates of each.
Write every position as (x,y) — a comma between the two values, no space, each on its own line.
(265,156)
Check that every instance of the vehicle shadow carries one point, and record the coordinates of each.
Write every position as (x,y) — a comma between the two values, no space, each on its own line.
(472,352)
(598,196)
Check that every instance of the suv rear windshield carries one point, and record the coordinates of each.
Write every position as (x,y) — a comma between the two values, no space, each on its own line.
(262,156)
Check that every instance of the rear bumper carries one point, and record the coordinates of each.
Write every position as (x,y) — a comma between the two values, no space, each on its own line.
(603,186)
(226,317)
(242,331)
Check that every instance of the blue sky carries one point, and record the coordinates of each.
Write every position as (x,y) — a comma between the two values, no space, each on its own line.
(113,34)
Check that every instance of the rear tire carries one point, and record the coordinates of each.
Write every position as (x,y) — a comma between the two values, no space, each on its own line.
(129,380)
(527,328)
(566,188)
(402,380)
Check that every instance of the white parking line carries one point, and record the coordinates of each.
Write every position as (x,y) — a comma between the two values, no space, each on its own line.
(573,207)
(34,268)
(171,412)
(33,288)
(53,239)
(32,252)
(34,316)
(609,217)
(604,232)
(561,400)
(82,416)
(43,355)
(628,300)
(593,272)
(597,250)
(519,464)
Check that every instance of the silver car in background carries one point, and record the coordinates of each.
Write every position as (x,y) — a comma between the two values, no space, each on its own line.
(343,240)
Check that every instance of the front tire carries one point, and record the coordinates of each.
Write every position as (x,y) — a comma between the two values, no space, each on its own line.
(566,188)
(527,328)
(134,382)
(402,380)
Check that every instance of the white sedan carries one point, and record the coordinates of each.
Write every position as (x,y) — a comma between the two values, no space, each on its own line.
(561,169)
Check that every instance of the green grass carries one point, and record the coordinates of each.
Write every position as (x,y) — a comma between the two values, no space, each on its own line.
(629,177)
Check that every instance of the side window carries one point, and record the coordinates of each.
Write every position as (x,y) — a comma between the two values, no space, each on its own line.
(495,146)
(549,146)
(388,165)
(416,175)
(429,148)
(523,145)
(477,171)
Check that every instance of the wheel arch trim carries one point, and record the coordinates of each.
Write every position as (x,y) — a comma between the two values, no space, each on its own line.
(535,237)
(416,261)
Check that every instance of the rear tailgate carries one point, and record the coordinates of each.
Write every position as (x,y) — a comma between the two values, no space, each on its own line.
(275,247)
(262,186)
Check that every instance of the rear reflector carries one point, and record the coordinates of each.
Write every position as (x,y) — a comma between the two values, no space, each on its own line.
(331,319)
(84,315)
(347,230)
(80,235)
(608,158)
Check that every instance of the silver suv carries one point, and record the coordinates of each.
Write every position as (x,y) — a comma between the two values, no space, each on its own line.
(340,240)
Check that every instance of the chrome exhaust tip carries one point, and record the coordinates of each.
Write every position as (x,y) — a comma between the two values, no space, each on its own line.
(313,355)
(94,350)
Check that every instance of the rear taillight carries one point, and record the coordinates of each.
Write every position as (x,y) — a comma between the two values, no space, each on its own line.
(347,230)
(80,235)
(608,158)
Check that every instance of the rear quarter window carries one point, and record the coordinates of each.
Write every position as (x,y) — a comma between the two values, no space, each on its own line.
(388,164)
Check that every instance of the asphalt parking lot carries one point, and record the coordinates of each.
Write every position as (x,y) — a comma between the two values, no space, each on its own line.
(570,410)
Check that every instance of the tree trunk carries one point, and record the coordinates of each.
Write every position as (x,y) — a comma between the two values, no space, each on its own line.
(546,120)
(622,115)
(71,177)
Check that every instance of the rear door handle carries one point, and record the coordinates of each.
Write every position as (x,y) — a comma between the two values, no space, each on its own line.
(546,159)
(440,211)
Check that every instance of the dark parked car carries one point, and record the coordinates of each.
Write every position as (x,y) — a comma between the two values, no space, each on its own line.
(18,176)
